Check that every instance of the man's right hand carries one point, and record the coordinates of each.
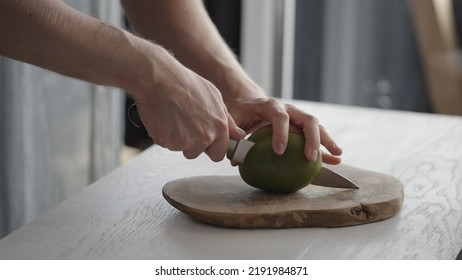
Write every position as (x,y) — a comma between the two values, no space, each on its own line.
(184,112)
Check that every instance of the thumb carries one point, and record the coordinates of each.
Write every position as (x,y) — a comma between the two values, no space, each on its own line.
(234,131)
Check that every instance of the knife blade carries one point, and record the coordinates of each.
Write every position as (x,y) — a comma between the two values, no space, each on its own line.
(238,149)
(329,178)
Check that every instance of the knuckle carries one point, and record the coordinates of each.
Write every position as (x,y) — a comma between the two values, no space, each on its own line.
(290,107)
(206,139)
(312,120)
(209,136)
(316,139)
(272,102)
(279,111)
(281,115)
(222,124)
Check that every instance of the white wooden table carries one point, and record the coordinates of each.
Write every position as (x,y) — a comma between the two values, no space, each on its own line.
(124,216)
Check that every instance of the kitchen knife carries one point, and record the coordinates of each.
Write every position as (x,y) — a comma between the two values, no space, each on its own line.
(238,149)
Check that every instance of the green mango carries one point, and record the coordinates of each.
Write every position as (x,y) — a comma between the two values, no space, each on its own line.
(289,172)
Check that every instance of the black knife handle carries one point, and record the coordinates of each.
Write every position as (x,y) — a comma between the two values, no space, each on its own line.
(134,117)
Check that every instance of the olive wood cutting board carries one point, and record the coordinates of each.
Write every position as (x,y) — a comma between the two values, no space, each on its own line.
(228,201)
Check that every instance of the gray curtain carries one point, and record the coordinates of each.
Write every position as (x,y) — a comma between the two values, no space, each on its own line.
(358,52)
(57,134)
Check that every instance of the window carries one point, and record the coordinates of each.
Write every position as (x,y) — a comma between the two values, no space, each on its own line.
(355,52)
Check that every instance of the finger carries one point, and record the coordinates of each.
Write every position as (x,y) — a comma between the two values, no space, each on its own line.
(195,151)
(329,143)
(330,159)
(276,113)
(235,132)
(312,142)
(217,150)
(280,134)
(310,125)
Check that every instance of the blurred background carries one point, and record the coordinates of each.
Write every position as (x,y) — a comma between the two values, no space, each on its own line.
(58,135)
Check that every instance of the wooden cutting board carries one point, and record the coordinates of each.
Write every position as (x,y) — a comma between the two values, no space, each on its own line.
(228,201)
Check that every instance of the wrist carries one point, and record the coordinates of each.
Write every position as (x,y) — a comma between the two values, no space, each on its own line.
(148,60)
(236,85)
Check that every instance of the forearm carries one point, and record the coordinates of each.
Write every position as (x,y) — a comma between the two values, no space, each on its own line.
(184,27)
(49,34)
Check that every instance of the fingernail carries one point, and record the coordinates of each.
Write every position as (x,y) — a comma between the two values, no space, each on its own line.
(280,149)
(313,155)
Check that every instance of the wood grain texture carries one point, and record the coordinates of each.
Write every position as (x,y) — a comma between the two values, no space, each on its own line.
(228,201)
(124,216)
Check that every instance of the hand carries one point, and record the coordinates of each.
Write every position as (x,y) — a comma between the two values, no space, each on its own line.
(184,112)
(249,113)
